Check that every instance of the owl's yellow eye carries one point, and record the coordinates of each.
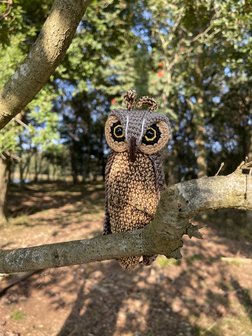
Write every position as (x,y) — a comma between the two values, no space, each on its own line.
(117,132)
(152,135)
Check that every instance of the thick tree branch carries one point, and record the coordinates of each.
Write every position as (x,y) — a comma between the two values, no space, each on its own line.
(45,55)
(177,206)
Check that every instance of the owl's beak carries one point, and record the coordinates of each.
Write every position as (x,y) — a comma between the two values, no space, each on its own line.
(132,149)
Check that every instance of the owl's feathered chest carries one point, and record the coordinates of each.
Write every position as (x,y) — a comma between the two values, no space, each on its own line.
(132,183)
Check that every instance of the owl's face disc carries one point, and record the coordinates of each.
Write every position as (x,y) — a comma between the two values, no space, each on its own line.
(137,130)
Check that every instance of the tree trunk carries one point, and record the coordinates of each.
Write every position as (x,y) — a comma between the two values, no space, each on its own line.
(74,149)
(4,178)
(200,124)
(74,170)
(249,153)
(21,174)
(201,150)
(27,168)
(38,158)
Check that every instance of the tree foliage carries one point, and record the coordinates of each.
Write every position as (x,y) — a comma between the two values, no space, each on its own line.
(194,57)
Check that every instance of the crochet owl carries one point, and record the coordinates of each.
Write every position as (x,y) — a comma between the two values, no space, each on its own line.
(134,176)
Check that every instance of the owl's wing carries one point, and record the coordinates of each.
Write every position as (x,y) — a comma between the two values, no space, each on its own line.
(106,224)
(159,172)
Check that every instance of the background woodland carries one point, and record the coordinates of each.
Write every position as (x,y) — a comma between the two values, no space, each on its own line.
(193,57)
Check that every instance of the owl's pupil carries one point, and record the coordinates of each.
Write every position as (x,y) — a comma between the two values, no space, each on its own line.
(150,133)
(119,131)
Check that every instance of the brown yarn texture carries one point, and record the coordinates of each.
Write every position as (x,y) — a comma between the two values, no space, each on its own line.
(133,186)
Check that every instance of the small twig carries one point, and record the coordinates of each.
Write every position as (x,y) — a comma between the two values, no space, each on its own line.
(8,8)
(247,164)
(205,31)
(245,167)
(244,164)
(2,156)
(21,123)
(74,137)
(237,170)
(107,3)
(221,166)
(209,328)
(13,156)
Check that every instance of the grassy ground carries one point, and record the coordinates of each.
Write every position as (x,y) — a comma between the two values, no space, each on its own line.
(208,293)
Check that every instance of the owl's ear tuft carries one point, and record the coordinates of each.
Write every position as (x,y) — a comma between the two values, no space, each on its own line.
(150,102)
(129,99)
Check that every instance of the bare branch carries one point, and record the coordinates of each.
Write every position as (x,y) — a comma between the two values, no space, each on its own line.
(2,156)
(219,170)
(20,122)
(45,55)
(9,4)
(177,206)
(12,156)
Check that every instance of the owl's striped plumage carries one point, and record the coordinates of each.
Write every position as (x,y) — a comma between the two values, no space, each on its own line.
(134,175)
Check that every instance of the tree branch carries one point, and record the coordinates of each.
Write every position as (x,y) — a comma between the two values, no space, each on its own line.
(177,206)
(45,55)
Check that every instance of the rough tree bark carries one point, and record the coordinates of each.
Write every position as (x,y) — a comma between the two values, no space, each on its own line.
(178,204)
(45,55)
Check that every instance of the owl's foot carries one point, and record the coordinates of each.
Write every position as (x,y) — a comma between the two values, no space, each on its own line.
(131,263)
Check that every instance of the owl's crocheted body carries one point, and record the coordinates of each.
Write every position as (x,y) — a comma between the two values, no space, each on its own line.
(132,197)
(134,177)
